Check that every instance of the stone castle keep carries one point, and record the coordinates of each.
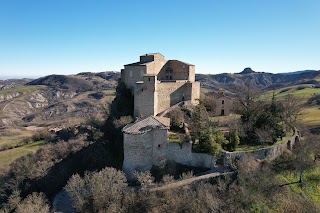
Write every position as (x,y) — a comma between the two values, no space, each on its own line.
(158,84)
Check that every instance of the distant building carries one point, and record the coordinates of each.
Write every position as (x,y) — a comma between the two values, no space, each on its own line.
(158,84)
(223,103)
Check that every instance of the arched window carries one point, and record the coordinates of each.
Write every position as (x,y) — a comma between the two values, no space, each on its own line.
(222,101)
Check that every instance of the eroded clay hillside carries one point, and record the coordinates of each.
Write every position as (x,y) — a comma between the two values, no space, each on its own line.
(261,79)
(56,98)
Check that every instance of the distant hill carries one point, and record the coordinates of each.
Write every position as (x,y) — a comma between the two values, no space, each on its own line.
(297,72)
(79,83)
(56,99)
(260,79)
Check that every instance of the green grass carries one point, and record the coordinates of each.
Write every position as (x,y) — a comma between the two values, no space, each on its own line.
(9,139)
(285,138)
(13,136)
(23,89)
(174,139)
(311,116)
(8,156)
(311,188)
(303,93)
(242,147)
(249,147)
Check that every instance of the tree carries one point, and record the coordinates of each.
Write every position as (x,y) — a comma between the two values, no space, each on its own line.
(249,99)
(98,191)
(260,119)
(202,132)
(234,139)
(292,109)
(177,119)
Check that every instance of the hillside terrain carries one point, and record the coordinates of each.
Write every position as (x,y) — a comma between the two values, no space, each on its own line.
(301,84)
(55,98)
(52,102)
(260,79)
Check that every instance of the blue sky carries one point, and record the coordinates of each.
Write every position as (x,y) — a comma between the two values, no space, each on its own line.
(41,37)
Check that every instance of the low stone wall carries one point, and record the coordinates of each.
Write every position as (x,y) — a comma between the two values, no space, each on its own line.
(269,153)
(182,154)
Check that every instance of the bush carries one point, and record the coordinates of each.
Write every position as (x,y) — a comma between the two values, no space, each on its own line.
(315,98)
(33,203)
(144,178)
(41,135)
(98,191)
(37,165)
(301,87)
(177,119)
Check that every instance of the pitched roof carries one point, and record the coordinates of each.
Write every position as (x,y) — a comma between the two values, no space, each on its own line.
(138,63)
(180,62)
(151,54)
(143,125)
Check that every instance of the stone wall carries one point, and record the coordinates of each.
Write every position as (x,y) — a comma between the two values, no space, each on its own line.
(182,154)
(269,153)
(132,74)
(171,93)
(178,70)
(145,97)
(153,98)
(155,66)
(142,151)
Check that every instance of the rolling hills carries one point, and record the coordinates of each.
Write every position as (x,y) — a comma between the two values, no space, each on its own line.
(56,99)
(262,80)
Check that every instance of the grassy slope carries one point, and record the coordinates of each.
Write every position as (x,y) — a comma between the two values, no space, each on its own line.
(250,147)
(14,136)
(8,156)
(311,188)
(311,114)
(22,89)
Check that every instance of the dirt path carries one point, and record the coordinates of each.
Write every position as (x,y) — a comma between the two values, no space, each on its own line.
(7,105)
(189,181)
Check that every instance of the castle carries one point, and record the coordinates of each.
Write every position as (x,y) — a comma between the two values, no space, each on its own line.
(157,84)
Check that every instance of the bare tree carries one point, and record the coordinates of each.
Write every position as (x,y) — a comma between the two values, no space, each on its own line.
(265,135)
(292,109)
(249,98)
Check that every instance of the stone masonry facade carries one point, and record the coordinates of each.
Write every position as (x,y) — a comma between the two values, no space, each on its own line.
(157,84)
